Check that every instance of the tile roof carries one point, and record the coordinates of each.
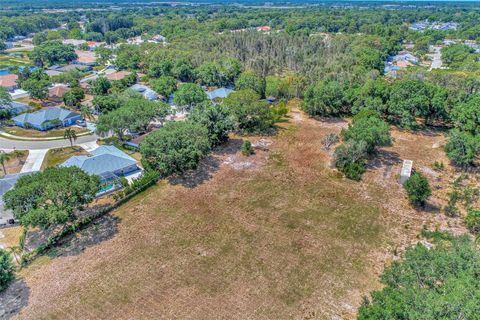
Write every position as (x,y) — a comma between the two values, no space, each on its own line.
(58,91)
(48,114)
(101,161)
(87,57)
(9,80)
(118,75)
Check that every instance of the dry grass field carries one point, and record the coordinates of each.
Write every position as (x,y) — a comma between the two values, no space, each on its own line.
(278,235)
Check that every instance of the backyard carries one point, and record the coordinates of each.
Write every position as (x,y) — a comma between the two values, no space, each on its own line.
(277,235)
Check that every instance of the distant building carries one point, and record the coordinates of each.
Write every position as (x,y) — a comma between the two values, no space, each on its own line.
(57,91)
(75,42)
(135,40)
(86,58)
(47,118)
(264,28)
(220,93)
(117,75)
(158,39)
(9,82)
(74,66)
(145,91)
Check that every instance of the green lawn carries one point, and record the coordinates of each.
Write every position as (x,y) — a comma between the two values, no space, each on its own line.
(12,60)
(32,133)
(57,156)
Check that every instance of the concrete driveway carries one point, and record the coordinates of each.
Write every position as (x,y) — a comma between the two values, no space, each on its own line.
(9,144)
(34,160)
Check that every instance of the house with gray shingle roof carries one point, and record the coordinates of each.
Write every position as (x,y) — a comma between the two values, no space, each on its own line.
(107,162)
(145,91)
(220,93)
(7,183)
(15,107)
(47,118)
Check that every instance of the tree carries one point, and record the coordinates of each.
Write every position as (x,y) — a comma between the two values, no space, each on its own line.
(246,148)
(249,80)
(39,38)
(472,220)
(53,52)
(104,104)
(249,113)
(215,118)
(329,140)
(176,147)
(71,135)
(38,89)
(73,97)
(326,98)
(86,113)
(183,70)
(162,111)
(4,157)
(100,86)
(462,148)
(466,116)
(5,98)
(134,115)
(350,158)
(165,85)
(210,74)
(7,270)
(408,99)
(418,189)
(189,95)
(429,284)
(51,197)
(370,129)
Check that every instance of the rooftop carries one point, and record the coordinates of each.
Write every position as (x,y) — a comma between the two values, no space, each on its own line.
(9,80)
(118,75)
(48,114)
(101,161)
(86,57)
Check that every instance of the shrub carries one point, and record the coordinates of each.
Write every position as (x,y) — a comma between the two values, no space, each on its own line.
(246,148)
(473,220)
(418,189)
(350,158)
(329,140)
(7,270)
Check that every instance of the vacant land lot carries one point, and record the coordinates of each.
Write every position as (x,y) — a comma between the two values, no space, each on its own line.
(278,235)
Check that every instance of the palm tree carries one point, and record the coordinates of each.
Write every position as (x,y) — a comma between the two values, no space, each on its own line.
(70,134)
(4,157)
(18,155)
(86,113)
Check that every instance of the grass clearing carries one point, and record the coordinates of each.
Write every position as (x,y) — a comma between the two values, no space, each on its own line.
(54,157)
(32,133)
(283,238)
(17,59)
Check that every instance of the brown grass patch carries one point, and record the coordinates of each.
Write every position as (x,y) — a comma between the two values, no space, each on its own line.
(284,238)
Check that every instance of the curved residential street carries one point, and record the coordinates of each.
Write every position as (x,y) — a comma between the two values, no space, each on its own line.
(10,144)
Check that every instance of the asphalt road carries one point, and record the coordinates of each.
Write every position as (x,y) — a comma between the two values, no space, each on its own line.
(437,58)
(9,144)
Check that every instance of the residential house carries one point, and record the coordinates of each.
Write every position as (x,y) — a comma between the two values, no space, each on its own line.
(135,40)
(75,42)
(264,28)
(117,75)
(15,107)
(47,118)
(7,183)
(158,39)
(74,66)
(9,82)
(145,91)
(220,93)
(57,91)
(107,162)
(86,58)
